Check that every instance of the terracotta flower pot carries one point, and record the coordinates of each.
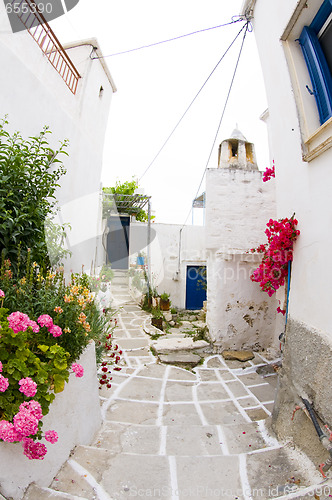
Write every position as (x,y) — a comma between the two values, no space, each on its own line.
(164,305)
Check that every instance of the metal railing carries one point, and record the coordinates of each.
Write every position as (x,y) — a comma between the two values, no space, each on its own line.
(35,23)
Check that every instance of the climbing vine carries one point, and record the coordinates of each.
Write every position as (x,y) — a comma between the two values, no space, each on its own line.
(273,269)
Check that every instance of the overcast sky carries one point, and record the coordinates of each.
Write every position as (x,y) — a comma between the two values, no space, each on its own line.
(156,85)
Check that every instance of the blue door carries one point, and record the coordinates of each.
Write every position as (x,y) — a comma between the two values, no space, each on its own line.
(195,287)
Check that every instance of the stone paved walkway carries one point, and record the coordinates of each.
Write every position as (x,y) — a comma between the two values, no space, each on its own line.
(176,434)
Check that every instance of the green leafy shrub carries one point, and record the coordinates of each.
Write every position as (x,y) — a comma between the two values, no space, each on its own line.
(29,174)
(125,188)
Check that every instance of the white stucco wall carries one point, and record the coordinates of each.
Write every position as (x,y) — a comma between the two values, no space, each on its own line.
(239,315)
(173,248)
(302,152)
(303,187)
(33,94)
(74,414)
(238,206)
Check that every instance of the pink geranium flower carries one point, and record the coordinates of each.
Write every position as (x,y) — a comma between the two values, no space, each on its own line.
(28,387)
(8,432)
(2,294)
(51,436)
(3,383)
(55,330)
(77,369)
(34,326)
(33,407)
(25,423)
(45,320)
(18,321)
(34,451)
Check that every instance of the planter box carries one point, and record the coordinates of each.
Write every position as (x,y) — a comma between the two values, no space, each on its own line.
(157,322)
(74,414)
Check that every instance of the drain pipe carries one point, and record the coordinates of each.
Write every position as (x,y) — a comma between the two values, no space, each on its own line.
(282,335)
(324,439)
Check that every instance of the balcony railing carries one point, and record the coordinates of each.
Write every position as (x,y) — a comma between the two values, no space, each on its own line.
(35,23)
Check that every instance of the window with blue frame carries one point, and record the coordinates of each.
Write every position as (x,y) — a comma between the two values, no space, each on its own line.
(316,44)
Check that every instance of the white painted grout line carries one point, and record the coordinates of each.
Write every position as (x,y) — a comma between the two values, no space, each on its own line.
(244,477)
(234,401)
(257,385)
(263,450)
(101,493)
(123,326)
(251,394)
(162,397)
(197,404)
(269,440)
(163,440)
(222,440)
(174,478)
(113,396)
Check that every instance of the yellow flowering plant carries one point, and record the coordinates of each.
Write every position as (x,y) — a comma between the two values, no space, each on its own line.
(71,306)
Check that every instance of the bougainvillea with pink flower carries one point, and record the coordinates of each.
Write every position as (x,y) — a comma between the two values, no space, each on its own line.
(273,269)
(269,173)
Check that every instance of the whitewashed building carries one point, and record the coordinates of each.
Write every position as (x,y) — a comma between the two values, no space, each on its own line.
(177,260)
(68,89)
(238,205)
(294,44)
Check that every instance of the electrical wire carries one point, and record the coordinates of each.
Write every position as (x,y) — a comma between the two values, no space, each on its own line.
(248,28)
(235,19)
(192,102)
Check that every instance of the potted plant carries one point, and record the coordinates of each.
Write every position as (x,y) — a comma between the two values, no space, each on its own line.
(164,302)
(157,318)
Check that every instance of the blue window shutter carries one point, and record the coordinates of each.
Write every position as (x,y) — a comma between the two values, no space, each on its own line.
(319,72)
(321,16)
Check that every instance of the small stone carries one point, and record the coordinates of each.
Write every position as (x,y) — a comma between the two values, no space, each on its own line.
(168,316)
(238,355)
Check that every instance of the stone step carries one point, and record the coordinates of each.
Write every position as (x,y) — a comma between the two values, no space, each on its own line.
(167,345)
(120,280)
(41,493)
(180,358)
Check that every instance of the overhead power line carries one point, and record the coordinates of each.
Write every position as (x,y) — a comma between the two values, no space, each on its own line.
(235,19)
(192,102)
(247,28)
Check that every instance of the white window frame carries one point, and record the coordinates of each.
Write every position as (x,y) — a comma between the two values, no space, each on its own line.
(316,136)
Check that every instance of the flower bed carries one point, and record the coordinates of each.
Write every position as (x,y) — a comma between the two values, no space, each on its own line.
(74,413)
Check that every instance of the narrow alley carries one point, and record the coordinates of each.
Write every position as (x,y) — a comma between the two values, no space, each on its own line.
(173,433)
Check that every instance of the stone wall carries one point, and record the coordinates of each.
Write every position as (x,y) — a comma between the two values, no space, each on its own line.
(306,372)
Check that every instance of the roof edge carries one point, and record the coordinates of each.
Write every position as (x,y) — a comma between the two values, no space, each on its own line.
(247,7)
(93,42)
